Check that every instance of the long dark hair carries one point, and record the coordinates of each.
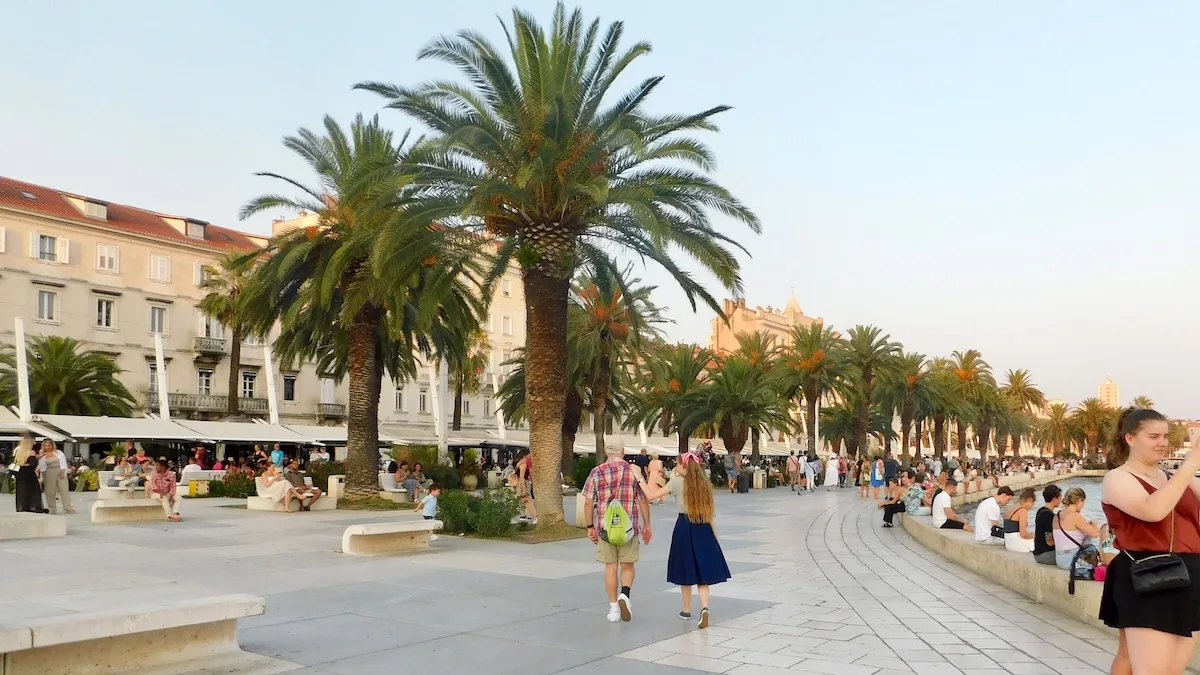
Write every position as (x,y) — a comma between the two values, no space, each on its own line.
(1130,421)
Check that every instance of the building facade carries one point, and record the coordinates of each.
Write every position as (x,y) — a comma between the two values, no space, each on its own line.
(114,276)
(743,319)
(1109,393)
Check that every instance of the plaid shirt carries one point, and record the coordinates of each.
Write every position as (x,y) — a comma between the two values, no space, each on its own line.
(162,482)
(615,479)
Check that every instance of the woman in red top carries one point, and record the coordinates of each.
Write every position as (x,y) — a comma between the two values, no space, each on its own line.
(1151,512)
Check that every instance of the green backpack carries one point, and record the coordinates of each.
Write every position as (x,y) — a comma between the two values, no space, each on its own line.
(618,528)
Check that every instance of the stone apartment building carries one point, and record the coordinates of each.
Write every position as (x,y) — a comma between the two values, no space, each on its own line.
(113,276)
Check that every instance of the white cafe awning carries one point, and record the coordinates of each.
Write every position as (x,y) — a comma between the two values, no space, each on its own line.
(245,432)
(86,428)
(335,436)
(10,423)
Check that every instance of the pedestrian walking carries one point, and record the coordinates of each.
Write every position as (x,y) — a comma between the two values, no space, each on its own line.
(695,558)
(613,488)
(831,472)
(876,478)
(28,491)
(793,470)
(53,469)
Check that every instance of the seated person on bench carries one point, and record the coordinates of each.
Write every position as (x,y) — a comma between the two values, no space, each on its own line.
(303,491)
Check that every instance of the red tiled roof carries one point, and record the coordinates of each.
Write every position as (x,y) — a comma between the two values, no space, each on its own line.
(53,202)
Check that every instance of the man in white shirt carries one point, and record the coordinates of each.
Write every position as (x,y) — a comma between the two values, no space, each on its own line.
(191,467)
(943,514)
(988,515)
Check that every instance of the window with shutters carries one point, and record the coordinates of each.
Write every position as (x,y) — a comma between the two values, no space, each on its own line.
(47,309)
(106,313)
(289,387)
(160,268)
(153,378)
(248,379)
(466,407)
(158,319)
(487,406)
(204,380)
(506,324)
(106,258)
(423,401)
(506,288)
(399,402)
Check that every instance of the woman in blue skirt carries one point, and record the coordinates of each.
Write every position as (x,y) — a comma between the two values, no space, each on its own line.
(695,558)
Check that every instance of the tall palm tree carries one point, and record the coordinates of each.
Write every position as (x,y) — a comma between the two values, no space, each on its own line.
(1056,431)
(763,353)
(839,424)
(615,315)
(1025,397)
(816,367)
(65,378)
(1177,435)
(538,149)
(910,389)
(870,353)
(367,286)
(1091,416)
(466,371)
(973,382)
(944,403)
(734,401)
(511,397)
(225,286)
(667,380)
(1143,402)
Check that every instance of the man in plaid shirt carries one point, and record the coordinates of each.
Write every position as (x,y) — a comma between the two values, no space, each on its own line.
(615,479)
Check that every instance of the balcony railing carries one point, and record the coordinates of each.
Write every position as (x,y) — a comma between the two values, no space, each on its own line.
(331,410)
(208,403)
(207,345)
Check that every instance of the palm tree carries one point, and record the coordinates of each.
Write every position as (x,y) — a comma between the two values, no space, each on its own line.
(943,404)
(466,371)
(367,286)
(225,285)
(614,316)
(869,353)
(733,401)
(1144,402)
(511,397)
(762,352)
(538,150)
(65,379)
(815,368)
(1056,431)
(1177,435)
(1025,397)
(973,381)
(1091,416)
(911,390)
(668,378)
(839,424)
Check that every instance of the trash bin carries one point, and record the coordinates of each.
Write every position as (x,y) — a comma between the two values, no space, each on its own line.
(743,482)
(760,479)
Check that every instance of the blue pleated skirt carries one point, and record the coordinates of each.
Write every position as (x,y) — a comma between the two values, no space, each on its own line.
(695,558)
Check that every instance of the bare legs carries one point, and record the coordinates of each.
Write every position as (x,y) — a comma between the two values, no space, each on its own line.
(686,591)
(1144,651)
(610,578)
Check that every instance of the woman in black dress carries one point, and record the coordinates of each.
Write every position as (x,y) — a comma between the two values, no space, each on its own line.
(28,490)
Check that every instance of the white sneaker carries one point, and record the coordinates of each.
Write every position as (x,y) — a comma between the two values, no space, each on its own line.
(614,614)
(625,607)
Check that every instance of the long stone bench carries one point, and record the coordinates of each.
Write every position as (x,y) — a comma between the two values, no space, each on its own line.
(390,491)
(260,503)
(31,526)
(1019,572)
(126,510)
(396,537)
(185,635)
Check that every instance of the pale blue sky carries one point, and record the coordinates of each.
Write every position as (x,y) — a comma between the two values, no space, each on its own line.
(1020,178)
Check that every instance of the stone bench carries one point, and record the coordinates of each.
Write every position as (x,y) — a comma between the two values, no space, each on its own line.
(377,538)
(260,503)
(127,510)
(31,526)
(109,493)
(185,635)
(389,490)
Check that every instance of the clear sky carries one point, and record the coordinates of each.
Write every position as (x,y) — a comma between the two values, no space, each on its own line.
(1019,178)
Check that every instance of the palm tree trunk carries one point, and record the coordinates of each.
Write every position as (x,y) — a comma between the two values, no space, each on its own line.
(860,430)
(905,435)
(682,447)
(572,415)
(362,433)
(755,455)
(546,385)
(812,423)
(600,387)
(235,367)
(961,425)
(939,436)
(456,423)
(1016,445)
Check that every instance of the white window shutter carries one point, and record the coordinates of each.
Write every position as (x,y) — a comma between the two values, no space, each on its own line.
(198,274)
(3,235)
(34,238)
(64,251)
(116,259)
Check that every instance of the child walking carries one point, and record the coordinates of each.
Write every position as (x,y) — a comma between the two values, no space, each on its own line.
(428,505)
(695,558)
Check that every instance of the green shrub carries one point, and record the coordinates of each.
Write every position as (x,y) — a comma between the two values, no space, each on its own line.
(454,510)
(495,512)
(235,487)
(321,471)
(446,476)
(93,480)
(581,469)
(425,455)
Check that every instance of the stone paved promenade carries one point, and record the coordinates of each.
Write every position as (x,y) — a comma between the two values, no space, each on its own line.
(819,587)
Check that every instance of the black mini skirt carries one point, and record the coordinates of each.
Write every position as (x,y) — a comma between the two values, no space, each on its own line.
(1176,612)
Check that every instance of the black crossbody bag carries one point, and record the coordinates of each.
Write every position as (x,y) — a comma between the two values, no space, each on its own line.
(1159,572)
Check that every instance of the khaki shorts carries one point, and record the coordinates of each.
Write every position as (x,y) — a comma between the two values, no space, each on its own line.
(609,554)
